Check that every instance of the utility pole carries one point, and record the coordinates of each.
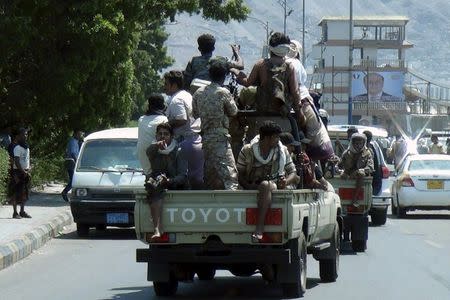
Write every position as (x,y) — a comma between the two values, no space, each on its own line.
(303,35)
(350,65)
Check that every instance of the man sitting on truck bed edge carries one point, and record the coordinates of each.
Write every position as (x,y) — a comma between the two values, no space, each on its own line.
(169,171)
(266,165)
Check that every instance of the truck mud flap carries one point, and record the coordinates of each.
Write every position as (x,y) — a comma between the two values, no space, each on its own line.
(358,226)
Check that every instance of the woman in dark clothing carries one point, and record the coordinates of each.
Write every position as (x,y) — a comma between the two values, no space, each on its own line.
(169,171)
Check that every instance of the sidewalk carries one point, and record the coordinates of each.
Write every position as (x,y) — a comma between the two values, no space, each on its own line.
(20,237)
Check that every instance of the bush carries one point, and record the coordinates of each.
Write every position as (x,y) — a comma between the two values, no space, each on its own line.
(47,169)
(4,168)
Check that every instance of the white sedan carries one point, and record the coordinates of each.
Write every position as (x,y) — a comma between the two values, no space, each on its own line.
(422,182)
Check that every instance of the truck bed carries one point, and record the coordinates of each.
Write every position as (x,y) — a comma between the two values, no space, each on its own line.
(194,215)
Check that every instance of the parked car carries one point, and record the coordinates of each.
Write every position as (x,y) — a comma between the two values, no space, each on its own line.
(422,182)
(106,174)
(381,185)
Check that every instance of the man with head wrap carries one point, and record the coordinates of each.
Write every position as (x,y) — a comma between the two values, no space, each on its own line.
(262,76)
(357,161)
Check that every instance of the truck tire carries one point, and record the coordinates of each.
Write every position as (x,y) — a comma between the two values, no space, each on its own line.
(379,217)
(165,289)
(298,288)
(206,274)
(82,230)
(329,268)
(359,245)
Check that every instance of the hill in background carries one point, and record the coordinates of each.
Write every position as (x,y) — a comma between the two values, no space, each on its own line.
(427,30)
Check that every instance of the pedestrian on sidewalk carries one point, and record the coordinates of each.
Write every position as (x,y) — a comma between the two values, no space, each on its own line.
(72,151)
(21,174)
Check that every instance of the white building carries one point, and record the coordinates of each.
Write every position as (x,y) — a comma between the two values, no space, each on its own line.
(379,45)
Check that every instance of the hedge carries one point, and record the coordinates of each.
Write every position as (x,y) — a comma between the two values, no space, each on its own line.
(4,166)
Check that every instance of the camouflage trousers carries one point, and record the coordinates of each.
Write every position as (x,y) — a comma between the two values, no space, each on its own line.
(220,168)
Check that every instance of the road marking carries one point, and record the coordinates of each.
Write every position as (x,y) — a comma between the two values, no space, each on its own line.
(436,245)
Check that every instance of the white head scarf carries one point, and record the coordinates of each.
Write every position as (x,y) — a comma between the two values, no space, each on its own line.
(280,50)
(294,48)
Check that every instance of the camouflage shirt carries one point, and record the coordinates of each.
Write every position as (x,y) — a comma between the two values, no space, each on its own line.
(351,161)
(213,104)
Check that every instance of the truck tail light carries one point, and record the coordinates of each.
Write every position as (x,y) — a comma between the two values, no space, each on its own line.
(385,171)
(347,194)
(274,216)
(407,182)
(271,238)
(164,239)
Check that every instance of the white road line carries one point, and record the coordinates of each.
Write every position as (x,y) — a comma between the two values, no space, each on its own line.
(436,245)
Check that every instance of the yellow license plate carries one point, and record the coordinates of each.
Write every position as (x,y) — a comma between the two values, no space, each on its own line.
(435,184)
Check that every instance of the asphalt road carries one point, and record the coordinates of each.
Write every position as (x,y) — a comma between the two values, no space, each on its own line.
(406,259)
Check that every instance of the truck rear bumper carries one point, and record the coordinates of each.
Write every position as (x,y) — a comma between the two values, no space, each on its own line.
(195,255)
(95,212)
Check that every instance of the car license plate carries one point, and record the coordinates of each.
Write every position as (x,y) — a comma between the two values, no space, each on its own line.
(435,184)
(117,218)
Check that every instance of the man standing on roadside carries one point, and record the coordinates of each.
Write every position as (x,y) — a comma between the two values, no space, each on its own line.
(21,174)
(72,151)
(213,104)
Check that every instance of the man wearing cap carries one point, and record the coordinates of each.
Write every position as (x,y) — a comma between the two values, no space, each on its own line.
(179,113)
(314,176)
(72,151)
(214,104)
(21,174)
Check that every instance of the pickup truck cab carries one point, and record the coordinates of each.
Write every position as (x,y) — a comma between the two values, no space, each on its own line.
(106,174)
(381,184)
(205,231)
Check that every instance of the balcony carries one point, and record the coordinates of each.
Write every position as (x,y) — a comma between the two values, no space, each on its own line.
(378,64)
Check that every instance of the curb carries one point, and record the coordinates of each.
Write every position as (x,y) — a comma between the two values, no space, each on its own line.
(18,249)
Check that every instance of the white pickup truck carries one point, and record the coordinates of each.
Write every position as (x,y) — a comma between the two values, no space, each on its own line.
(205,231)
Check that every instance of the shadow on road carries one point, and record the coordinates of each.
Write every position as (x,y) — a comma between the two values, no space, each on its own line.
(219,288)
(108,234)
(46,200)
(421,216)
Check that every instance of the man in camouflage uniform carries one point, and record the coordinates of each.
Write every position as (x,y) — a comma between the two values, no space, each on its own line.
(214,104)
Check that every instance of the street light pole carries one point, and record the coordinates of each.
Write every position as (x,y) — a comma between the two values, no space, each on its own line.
(350,65)
(266,27)
(286,13)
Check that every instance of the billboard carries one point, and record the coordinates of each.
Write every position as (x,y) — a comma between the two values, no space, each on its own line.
(377,86)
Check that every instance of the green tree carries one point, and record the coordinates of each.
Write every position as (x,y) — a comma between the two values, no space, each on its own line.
(88,64)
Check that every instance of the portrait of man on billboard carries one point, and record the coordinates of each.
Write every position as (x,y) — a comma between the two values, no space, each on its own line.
(374,84)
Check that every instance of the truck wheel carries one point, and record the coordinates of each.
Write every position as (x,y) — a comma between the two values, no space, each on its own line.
(297,289)
(329,267)
(379,217)
(164,289)
(82,230)
(206,274)
(359,245)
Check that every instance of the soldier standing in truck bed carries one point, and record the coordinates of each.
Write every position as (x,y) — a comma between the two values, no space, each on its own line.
(214,105)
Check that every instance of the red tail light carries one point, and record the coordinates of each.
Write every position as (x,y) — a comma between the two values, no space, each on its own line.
(164,238)
(274,216)
(385,171)
(407,182)
(347,194)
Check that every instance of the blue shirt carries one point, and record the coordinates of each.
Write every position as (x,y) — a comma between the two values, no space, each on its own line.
(73,148)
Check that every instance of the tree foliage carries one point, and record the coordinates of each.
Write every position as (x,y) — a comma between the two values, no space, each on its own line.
(89,64)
